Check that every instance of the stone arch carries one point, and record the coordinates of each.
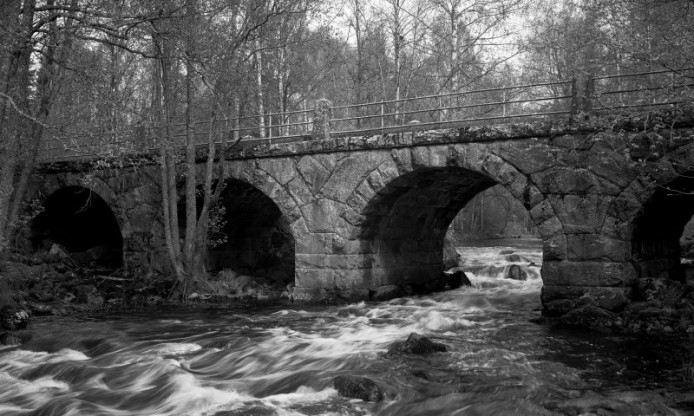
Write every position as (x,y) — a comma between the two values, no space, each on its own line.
(258,235)
(275,189)
(82,221)
(652,212)
(406,208)
(39,192)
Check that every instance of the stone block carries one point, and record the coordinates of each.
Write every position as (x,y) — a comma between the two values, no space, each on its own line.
(366,191)
(587,247)
(420,157)
(588,273)
(554,248)
(353,217)
(572,142)
(357,202)
(519,187)
(387,292)
(341,245)
(438,156)
(610,298)
(314,279)
(572,180)
(321,216)
(389,171)
(280,169)
(550,228)
(352,279)
(314,173)
(609,165)
(402,159)
(542,212)
(299,191)
(557,307)
(348,173)
(625,206)
(314,243)
(376,181)
(348,261)
(529,158)
(581,213)
(499,170)
(661,171)
(615,228)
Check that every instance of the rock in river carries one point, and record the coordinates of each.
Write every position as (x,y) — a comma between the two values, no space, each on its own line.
(416,344)
(516,272)
(355,387)
(457,279)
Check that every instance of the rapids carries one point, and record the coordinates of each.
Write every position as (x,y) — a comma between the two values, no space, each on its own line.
(282,360)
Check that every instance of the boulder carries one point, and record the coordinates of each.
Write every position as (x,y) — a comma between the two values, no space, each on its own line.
(516,258)
(436,284)
(451,258)
(13,318)
(10,339)
(386,292)
(664,290)
(457,279)
(57,253)
(589,316)
(557,307)
(416,344)
(362,388)
(515,272)
(89,295)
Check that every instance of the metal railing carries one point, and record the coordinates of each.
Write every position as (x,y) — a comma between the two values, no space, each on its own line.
(626,92)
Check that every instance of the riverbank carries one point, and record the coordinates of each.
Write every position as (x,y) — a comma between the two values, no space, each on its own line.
(48,286)
(44,287)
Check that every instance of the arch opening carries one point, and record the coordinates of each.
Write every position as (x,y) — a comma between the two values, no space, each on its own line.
(659,240)
(406,223)
(82,222)
(250,235)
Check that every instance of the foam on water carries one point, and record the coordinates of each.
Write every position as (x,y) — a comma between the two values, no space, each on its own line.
(282,362)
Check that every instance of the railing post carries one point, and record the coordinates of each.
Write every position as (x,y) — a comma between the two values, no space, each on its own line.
(581,94)
(322,119)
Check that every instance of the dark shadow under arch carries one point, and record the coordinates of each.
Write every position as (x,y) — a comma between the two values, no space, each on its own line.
(405,223)
(82,222)
(257,238)
(657,230)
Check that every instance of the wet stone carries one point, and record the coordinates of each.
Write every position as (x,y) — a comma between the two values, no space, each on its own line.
(12,318)
(387,292)
(515,272)
(355,387)
(416,344)
(457,279)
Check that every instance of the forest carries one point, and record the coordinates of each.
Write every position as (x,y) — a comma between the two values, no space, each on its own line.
(104,71)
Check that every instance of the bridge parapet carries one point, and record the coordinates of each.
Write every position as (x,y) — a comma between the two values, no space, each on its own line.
(543,102)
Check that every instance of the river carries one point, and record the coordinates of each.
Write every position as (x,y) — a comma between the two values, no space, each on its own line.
(281,360)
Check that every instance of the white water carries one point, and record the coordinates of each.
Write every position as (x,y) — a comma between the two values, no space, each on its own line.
(281,361)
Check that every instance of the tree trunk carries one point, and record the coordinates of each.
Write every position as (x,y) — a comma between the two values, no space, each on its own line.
(190,193)
(50,80)
(259,87)
(164,105)
(16,125)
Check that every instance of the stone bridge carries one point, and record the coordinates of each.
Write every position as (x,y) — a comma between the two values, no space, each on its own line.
(352,214)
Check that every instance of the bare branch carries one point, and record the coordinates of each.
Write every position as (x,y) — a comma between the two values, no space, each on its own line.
(22,113)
